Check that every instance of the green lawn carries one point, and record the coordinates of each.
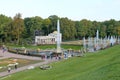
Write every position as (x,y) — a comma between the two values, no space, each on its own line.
(22,62)
(101,65)
(64,46)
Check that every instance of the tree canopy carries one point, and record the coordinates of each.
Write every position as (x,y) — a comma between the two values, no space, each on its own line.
(17,29)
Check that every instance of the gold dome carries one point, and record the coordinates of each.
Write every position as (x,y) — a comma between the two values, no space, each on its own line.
(55,32)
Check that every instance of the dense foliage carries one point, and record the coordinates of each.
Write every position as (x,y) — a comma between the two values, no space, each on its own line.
(23,30)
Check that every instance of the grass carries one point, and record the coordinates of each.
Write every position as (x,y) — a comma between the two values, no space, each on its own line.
(22,62)
(65,46)
(100,65)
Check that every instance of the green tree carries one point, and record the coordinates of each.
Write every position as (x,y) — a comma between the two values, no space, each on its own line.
(46,26)
(32,24)
(53,26)
(103,31)
(111,27)
(96,26)
(18,27)
(4,27)
(84,28)
(68,29)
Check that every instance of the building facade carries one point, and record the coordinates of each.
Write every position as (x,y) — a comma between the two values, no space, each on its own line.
(50,39)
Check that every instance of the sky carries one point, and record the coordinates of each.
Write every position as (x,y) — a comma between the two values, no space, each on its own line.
(99,10)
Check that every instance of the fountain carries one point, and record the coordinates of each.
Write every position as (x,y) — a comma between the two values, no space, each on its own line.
(58,38)
(84,43)
(97,35)
(97,41)
(111,41)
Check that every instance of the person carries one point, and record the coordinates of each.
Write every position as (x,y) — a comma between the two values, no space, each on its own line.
(25,51)
(4,49)
(15,66)
(38,50)
(59,57)
(17,51)
(9,69)
(28,52)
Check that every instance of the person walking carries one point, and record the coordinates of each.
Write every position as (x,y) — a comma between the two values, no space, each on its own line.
(15,66)
(9,69)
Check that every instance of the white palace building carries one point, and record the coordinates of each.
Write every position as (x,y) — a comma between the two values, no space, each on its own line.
(50,39)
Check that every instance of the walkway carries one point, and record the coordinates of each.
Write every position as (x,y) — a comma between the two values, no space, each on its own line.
(8,55)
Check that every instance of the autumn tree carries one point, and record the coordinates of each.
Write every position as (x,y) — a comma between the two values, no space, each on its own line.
(17,27)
